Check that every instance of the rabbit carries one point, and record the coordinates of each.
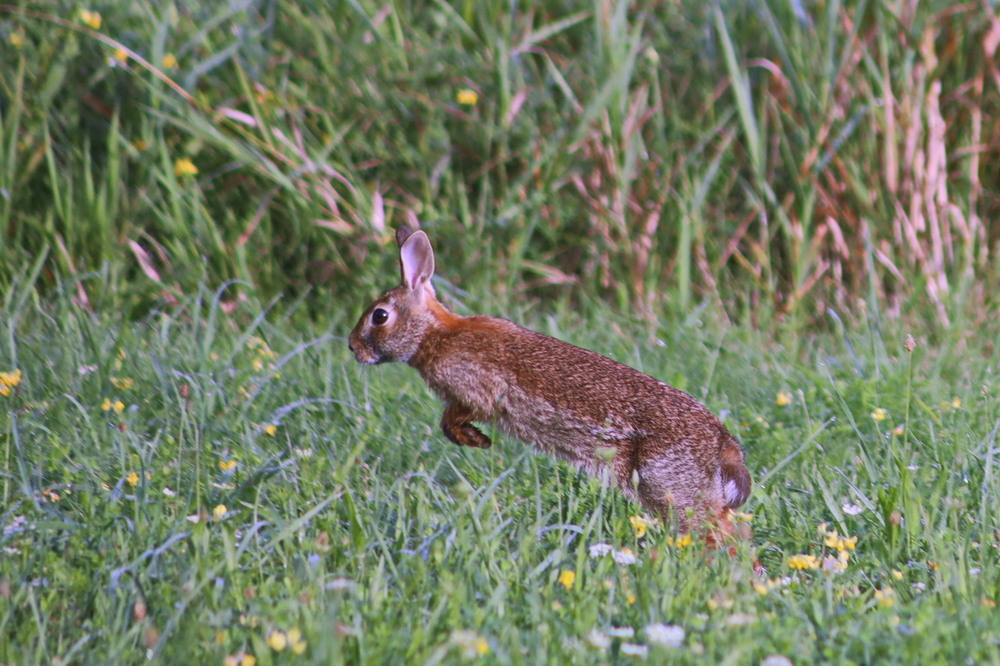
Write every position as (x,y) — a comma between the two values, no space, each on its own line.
(658,444)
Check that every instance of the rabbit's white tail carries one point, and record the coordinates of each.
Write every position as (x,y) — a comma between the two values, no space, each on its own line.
(735,477)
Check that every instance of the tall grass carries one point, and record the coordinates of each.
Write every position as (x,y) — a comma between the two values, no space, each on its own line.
(774,158)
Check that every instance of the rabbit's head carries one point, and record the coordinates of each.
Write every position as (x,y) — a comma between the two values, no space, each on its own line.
(393,327)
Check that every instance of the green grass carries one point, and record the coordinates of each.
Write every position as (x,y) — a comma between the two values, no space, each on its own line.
(754,205)
(357,523)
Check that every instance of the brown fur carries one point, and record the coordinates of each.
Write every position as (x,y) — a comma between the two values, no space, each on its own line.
(659,445)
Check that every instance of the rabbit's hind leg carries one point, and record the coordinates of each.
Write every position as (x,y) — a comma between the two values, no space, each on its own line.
(674,482)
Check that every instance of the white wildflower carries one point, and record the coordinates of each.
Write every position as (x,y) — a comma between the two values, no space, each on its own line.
(622,632)
(599,639)
(851,509)
(634,649)
(600,549)
(776,660)
(17,525)
(668,635)
(624,556)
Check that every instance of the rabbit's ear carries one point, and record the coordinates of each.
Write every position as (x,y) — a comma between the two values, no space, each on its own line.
(416,261)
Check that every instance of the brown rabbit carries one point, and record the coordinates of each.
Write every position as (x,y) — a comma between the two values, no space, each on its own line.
(660,445)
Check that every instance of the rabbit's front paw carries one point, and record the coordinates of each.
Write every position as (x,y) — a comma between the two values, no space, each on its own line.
(466,435)
(457,426)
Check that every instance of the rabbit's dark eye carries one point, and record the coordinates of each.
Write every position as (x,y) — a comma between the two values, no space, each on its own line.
(379,317)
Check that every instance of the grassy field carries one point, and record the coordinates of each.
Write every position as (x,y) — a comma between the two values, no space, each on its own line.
(784,210)
(189,485)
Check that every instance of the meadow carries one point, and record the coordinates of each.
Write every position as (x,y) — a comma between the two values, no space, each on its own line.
(784,209)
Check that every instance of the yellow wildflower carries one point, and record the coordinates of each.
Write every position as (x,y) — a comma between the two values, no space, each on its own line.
(16,39)
(295,641)
(184,167)
(885,597)
(9,380)
(277,640)
(988,603)
(683,541)
(897,574)
(898,430)
(803,561)
(90,19)
(469,643)
(784,398)
(219,511)
(834,540)
(113,405)
(270,429)
(467,97)
(132,479)
(567,577)
(640,525)
(169,61)
(120,55)
(880,414)
(226,465)
(122,383)
(240,659)
(956,403)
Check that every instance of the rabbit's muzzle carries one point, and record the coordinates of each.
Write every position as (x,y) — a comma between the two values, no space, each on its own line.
(362,355)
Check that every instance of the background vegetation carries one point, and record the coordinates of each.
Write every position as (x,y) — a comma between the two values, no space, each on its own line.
(773,157)
(757,202)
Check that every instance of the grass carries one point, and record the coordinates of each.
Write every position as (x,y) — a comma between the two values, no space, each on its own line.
(186,485)
(782,209)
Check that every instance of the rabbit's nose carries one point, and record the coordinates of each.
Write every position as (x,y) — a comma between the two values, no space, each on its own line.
(350,347)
